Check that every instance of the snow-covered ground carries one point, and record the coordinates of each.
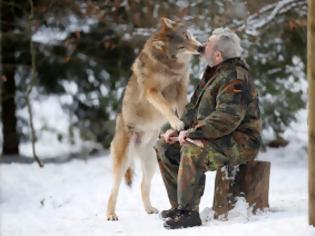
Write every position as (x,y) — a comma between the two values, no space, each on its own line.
(70,199)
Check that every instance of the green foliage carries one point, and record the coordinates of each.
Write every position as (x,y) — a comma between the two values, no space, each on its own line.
(99,66)
(277,61)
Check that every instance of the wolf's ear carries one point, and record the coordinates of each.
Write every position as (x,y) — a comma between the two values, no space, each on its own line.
(167,23)
(158,44)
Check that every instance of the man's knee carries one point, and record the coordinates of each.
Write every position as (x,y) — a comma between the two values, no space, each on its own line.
(167,152)
(194,155)
(190,150)
(208,158)
(159,148)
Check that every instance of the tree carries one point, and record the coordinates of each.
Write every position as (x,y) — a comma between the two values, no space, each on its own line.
(311,108)
(8,88)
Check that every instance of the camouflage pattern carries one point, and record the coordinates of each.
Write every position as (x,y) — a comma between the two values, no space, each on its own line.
(183,168)
(223,113)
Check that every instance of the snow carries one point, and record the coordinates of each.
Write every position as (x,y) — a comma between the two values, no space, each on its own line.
(51,122)
(71,198)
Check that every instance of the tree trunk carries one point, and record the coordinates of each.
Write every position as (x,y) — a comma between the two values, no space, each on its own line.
(311,108)
(10,136)
(250,180)
(9,121)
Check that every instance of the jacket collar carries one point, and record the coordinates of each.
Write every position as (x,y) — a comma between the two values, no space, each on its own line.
(234,61)
(231,62)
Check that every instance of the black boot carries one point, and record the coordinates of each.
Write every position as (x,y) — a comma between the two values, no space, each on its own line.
(183,220)
(170,213)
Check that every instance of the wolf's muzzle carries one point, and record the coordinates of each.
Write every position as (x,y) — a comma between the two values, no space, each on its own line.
(201,49)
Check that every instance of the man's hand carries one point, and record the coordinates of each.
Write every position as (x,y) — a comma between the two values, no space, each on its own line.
(182,137)
(169,136)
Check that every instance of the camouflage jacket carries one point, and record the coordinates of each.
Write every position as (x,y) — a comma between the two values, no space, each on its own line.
(225,102)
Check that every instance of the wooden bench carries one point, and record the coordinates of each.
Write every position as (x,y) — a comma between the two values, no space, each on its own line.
(250,180)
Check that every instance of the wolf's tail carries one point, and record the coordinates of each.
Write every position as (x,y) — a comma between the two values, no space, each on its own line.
(129,176)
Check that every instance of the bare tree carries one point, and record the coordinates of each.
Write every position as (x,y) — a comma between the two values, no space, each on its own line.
(311,108)
(30,86)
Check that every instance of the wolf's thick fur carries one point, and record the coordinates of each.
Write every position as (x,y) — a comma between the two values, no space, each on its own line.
(155,94)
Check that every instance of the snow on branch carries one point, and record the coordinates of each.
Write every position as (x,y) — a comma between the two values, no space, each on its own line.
(266,15)
(251,25)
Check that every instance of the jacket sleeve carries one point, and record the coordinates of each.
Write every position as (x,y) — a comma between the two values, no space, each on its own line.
(229,112)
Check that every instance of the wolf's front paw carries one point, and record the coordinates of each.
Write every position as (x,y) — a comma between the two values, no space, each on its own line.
(178,125)
(112,217)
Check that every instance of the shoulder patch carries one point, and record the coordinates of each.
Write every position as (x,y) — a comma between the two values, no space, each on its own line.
(234,86)
(237,88)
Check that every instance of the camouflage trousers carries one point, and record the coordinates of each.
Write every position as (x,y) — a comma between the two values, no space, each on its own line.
(183,168)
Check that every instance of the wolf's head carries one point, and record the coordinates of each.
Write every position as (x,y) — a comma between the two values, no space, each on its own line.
(174,40)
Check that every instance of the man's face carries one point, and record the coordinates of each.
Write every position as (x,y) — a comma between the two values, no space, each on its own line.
(211,55)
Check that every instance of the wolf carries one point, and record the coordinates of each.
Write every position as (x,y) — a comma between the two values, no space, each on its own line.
(156,93)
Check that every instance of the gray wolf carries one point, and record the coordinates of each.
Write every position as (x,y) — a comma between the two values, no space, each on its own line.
(155,94)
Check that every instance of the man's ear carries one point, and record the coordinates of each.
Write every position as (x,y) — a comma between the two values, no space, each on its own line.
(218,54)
(158,44)
(167,23)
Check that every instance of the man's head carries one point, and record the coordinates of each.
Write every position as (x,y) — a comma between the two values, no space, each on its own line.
(221,45)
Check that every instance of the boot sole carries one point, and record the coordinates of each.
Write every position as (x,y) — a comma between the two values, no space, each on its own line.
(182,227)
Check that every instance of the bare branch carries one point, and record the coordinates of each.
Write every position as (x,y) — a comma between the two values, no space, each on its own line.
(265,16)
(30,87)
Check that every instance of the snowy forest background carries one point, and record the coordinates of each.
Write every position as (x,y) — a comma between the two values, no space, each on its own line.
(79,59)
(64,65)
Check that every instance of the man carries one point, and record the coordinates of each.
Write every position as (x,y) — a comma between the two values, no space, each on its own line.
(223,115)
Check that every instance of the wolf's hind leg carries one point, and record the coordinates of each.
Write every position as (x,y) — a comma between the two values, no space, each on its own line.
(119,153)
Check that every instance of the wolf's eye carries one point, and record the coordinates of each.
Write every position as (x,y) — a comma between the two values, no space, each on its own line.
(186,35)
(181,48)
